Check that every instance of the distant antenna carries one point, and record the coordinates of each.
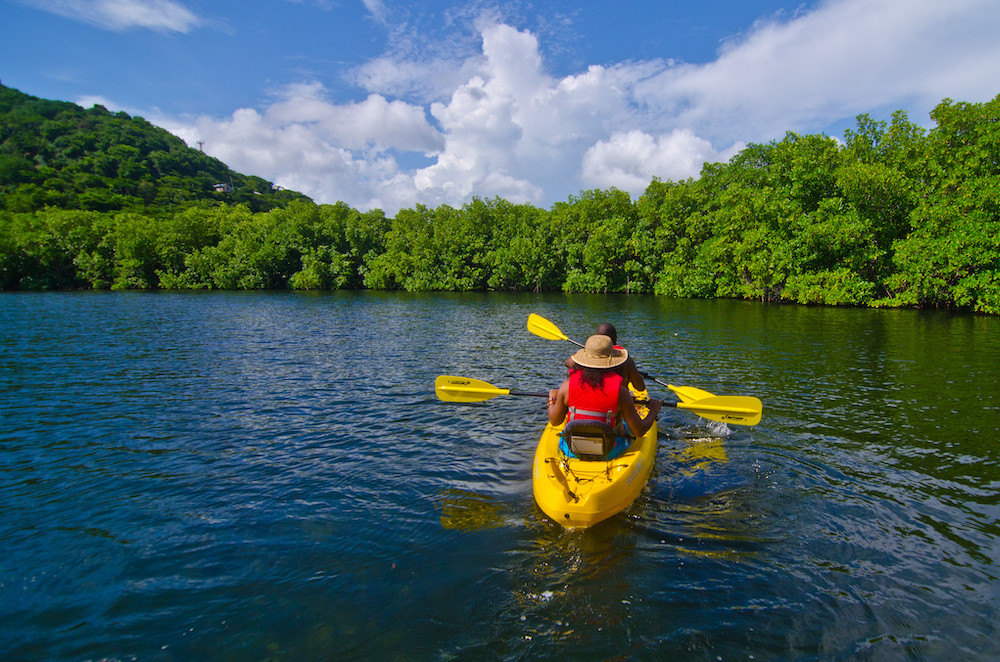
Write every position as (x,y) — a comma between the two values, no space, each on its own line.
(201,145)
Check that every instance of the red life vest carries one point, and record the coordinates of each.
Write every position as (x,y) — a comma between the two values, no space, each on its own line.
(590,404)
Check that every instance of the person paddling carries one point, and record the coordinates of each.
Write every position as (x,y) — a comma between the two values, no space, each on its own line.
(596,391)
(628,369)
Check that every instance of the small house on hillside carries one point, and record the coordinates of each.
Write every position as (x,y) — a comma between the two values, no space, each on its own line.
(224,187)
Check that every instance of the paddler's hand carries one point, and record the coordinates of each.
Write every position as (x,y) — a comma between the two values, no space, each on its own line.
(558,407)
(654,407)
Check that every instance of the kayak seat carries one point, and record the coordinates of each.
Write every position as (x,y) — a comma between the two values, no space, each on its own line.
(588,440)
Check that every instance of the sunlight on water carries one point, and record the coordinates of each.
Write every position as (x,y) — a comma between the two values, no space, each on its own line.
(270,476)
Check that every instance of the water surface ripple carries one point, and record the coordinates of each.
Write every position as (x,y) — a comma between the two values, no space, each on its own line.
(269,476)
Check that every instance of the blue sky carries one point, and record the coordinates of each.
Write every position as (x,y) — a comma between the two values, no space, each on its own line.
(388,104)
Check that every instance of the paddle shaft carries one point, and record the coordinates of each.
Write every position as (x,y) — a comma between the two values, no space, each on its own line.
(638,402)
(704,410)
(546,329)
(646,375)
(545,395)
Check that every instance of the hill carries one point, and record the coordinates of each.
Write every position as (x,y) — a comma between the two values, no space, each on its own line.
(58,154)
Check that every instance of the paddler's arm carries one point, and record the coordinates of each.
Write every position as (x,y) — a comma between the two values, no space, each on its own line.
(559,403)
(626,405)
(632,375)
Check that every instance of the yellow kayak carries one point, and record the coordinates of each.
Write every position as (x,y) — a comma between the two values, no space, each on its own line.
(579,493)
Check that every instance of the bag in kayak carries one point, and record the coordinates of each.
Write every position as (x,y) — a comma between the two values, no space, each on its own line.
(589,440)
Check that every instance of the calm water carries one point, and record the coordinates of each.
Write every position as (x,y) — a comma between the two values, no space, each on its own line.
(270,477)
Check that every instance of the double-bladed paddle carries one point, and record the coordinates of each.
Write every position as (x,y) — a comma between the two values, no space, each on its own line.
(738,410)
(688,394)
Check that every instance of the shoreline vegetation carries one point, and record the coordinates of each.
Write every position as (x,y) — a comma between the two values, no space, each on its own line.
(893,215)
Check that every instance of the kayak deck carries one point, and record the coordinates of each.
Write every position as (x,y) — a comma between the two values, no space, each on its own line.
(579,493)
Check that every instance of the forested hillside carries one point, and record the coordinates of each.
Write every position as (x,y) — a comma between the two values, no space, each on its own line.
(56,154)
(892,215)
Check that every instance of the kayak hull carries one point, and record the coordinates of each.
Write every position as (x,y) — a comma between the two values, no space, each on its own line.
(580,493)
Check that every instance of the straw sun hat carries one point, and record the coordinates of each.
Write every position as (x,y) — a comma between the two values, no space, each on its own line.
(600,352)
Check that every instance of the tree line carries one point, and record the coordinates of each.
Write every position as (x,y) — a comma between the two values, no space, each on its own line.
(892,215)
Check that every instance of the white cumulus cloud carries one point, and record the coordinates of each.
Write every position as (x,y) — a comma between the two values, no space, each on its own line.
(629,161)
(846,57)
(330,152)
(497,123)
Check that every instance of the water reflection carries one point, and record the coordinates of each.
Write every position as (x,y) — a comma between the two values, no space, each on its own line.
(464,510)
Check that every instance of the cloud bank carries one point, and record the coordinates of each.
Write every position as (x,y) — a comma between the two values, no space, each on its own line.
(496,124)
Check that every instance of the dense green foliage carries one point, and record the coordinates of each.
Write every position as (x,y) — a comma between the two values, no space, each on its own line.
(892,216)
(56,154)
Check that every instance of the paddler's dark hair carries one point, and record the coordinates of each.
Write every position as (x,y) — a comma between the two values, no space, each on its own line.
(593,377)
(608,329)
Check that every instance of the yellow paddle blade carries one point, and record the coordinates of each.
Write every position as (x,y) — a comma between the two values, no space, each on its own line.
(544,328)
(735,409)
(465,389)
(690,393)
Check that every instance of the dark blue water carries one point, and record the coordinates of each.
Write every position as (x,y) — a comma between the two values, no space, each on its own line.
(269,476)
